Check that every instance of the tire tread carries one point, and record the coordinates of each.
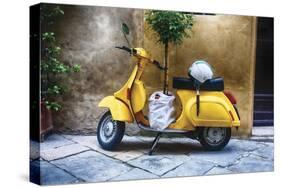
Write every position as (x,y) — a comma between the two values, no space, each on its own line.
(118,137)
(214,148)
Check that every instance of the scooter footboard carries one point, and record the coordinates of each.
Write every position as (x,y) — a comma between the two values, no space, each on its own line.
(215,111)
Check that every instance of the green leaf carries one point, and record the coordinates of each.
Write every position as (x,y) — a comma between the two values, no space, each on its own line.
(48,36)
(53,106)
(76,68)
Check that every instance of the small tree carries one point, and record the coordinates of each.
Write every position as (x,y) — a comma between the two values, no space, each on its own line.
(52,69)
(170,27)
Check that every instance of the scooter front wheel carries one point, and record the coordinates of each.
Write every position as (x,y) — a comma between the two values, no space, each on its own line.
(110,132)
(214,138)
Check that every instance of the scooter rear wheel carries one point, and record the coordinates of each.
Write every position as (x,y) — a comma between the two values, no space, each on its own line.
(110,132)
(214,138)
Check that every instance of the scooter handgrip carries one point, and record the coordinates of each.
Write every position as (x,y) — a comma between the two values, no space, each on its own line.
(127,48)
(124,48)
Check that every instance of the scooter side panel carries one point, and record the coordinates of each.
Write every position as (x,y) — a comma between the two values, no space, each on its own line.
(215,111)
(118,109)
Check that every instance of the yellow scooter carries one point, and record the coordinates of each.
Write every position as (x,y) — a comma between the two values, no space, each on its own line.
(212,126)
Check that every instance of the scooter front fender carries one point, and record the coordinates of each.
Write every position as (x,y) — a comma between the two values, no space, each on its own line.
(119,110)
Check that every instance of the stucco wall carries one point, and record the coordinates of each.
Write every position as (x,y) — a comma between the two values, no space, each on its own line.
(88,34)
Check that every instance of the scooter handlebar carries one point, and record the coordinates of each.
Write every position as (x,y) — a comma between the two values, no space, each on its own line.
(158,65)
(134,52)
(127,49)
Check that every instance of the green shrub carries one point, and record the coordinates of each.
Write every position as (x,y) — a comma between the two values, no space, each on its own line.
(52,69)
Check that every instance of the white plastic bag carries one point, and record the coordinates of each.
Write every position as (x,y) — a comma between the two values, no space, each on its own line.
(161,110)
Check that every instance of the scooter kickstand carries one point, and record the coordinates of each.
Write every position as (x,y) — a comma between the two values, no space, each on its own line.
(154,143)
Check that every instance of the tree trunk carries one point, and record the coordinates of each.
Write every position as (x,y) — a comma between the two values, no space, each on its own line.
(166,64)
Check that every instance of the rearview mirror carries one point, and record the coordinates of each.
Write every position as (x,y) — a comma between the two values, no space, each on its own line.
(125,29)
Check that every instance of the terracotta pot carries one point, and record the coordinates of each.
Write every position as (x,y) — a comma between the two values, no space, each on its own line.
(46,121)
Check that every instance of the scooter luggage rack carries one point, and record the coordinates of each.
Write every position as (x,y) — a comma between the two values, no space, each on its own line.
(159,133)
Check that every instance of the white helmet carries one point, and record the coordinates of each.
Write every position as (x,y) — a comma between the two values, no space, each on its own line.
(201,71)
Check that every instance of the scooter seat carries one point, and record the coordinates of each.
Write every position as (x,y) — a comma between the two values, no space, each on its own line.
(215,84)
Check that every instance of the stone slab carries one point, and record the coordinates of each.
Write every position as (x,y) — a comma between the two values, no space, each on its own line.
(133,143)
(129,143)
(244,145)
(92,143)
(63,151)
(252,164)
(171,148)
(222,158)
(190,168)
(45,173)
(92,166)
(158,164)
(128,155)
(263,131)
(218,170)
(54,141)
(135,174)
(266,152)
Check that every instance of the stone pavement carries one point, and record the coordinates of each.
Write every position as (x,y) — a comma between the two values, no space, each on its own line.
(76,159)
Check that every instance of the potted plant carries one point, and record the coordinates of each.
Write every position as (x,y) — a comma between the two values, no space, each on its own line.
(52,69)
(170,27)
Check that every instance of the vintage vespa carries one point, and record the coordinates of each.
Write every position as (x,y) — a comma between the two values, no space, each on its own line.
(208,118)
